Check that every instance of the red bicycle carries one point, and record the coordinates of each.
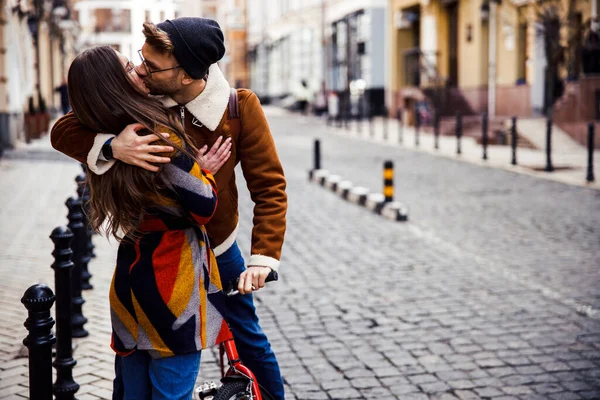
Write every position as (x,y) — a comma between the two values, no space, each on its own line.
(238,382)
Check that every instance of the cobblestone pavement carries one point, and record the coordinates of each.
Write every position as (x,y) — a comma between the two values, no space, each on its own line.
(481,295)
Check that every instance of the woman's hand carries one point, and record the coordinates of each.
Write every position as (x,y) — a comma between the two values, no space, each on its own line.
(218,155)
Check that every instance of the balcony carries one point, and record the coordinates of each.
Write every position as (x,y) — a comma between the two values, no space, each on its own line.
(420,68)
(112,20)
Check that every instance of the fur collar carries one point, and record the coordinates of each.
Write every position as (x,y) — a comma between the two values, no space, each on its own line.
(210,105)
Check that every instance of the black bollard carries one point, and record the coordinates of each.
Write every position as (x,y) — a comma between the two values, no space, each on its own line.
(64,387)
(417,127)
(385,123)
(549,167)
(77,227)
(484,134)
(436,130)
(400,127)
(513,140)
(590,143)
(458,132)
(388,181)
(38,300)
(317,154)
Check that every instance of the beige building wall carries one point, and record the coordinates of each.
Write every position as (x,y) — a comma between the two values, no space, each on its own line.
(3,77)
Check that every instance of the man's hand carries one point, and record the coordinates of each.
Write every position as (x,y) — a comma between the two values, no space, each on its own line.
(253,278)
(218,155)
(131,148)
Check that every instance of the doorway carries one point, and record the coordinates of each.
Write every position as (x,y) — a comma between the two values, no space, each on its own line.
(452,10)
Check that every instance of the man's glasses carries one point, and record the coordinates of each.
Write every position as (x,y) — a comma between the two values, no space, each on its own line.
(151,71)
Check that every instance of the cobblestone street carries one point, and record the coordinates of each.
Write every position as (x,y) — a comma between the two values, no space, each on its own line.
(489,291)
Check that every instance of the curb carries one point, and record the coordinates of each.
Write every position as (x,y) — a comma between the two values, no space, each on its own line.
(359,195)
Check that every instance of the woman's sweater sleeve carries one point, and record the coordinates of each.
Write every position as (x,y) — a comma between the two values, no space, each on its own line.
(195,188)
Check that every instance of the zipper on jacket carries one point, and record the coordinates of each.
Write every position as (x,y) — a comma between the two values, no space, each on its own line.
(182,110)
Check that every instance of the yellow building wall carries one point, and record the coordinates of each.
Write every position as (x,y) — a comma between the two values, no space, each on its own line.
(438,11)
(469,52)
(399,39)
(3,77)
(507,39)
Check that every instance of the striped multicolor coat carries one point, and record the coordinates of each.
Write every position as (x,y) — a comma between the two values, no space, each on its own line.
(166,294)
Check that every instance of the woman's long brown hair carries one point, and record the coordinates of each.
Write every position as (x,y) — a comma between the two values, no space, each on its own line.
(105,100)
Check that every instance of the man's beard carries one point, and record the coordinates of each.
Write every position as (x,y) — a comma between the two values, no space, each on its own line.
(160,90)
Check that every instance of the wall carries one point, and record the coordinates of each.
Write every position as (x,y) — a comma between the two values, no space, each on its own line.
(376,46)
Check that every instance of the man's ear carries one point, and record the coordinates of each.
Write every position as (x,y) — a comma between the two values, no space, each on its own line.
(186,79)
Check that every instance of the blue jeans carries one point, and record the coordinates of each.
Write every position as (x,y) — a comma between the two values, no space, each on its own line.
(171,378)
(251,342)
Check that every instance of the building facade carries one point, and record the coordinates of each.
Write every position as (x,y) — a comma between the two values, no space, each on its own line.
(483,55)
(119,23)
(232,17)
(329,45)
(36,48)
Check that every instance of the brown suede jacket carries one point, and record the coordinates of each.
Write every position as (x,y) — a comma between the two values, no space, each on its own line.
(206,118)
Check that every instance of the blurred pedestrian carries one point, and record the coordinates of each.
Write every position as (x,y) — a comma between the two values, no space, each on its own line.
(64,96)
(303,97)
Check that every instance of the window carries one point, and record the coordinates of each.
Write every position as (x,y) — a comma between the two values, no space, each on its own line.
(112,20)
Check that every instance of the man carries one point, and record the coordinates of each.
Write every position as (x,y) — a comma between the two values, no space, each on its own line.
(179,62)
(63,90)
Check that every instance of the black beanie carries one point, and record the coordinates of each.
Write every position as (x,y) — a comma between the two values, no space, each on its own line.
(198,43)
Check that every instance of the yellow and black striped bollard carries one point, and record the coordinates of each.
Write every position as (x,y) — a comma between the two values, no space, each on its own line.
(388,181)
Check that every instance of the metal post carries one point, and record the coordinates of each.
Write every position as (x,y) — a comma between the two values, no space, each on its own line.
(400,127)
(484,134)
(549,167)
(513,140)
(590,142)
(76,226)
(38,300)
(458,132)
(65,387)
(436,130)
(317,154)
(417,127)
(388,181)
(385,123)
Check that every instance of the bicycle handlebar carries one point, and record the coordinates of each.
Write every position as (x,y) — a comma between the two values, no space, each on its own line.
(232,286)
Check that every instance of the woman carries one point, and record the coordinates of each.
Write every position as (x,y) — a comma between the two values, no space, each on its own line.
(166,294)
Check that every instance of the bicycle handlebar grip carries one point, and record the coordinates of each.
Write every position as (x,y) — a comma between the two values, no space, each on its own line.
(273,276)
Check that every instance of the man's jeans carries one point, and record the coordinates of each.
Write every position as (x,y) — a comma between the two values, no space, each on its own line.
(252,344)
(170,378)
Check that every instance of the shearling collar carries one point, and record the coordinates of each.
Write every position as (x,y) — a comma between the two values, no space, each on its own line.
(210,105)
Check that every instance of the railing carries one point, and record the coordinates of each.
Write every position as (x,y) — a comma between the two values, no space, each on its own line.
(420,68)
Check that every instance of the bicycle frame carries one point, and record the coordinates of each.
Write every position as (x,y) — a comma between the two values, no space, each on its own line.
(237,368)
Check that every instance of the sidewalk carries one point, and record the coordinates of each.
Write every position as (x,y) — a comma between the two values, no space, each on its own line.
(568,157)
(25,260)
